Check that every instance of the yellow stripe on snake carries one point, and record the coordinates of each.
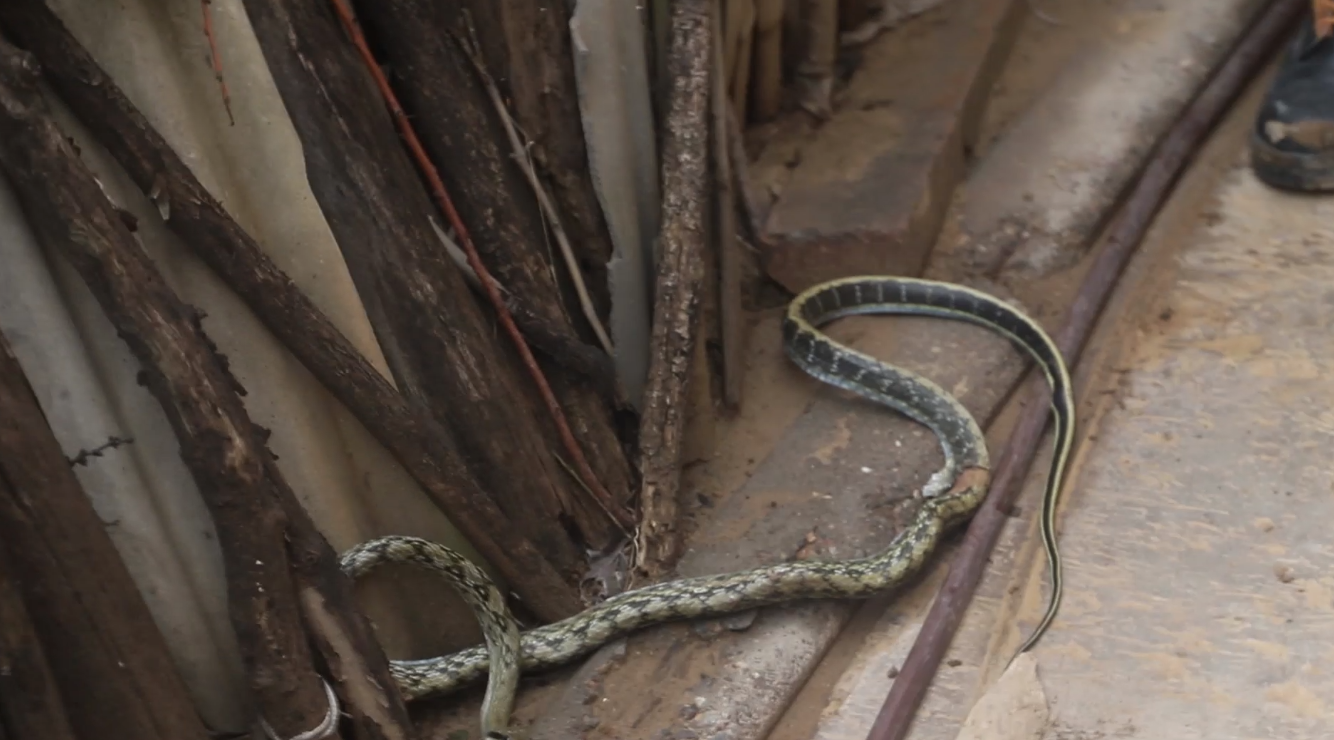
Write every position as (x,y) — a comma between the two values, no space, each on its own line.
(950,497)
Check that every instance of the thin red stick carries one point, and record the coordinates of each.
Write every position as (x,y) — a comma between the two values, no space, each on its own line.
(1124,236)
(216,59)
(618,514)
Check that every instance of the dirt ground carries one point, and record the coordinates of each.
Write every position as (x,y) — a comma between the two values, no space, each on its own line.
(727,448)
(736,476)
(1140,318)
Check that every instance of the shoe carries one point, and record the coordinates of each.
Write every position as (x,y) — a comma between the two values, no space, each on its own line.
(1292,144)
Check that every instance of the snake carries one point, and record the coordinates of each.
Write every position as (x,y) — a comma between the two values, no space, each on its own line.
(949,498)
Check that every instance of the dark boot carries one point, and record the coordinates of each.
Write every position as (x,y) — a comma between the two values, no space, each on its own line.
(1292,144)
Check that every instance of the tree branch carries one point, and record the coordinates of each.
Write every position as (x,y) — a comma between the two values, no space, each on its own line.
(221,446)
(416,440)
(685,166)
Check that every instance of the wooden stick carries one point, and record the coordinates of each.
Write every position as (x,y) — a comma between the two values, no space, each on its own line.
(222,447)
(582,360)
(30,703)
(814,82)
(424,315)
(680,269)
(472,48)
(416,440)
(1124,236)
(618,513)
(766,78)
(216,58)
(731,317)
(111,666)
(754,212)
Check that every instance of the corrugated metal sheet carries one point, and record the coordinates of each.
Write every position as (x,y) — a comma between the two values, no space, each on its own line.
(85,377)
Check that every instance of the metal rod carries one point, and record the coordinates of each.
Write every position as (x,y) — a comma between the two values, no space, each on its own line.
(1124,236)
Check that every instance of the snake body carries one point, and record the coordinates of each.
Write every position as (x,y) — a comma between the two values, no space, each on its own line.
(950,497)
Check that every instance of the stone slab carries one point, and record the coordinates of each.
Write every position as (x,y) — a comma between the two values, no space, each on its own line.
(871,185)
(1117,74)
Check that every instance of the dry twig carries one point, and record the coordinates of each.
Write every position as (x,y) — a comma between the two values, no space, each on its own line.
(685,164)
(415,438)
(750,205)
(731,329)
(473,51)
(215,58)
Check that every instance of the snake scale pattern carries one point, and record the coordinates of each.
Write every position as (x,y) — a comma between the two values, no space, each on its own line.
(950,498)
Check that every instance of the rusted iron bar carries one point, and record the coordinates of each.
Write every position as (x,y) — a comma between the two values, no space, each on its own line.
(1124,236)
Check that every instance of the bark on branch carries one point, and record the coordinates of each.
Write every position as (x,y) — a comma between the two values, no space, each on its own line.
(680,276)
(30,703)
(420,444)
(111,663)
(465,137)
(221,446)
(439,344)
(531,289)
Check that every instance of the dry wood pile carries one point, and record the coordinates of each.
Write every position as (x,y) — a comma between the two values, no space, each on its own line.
(458,189)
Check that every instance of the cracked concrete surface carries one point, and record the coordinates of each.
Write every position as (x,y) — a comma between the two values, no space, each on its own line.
(1198,549)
